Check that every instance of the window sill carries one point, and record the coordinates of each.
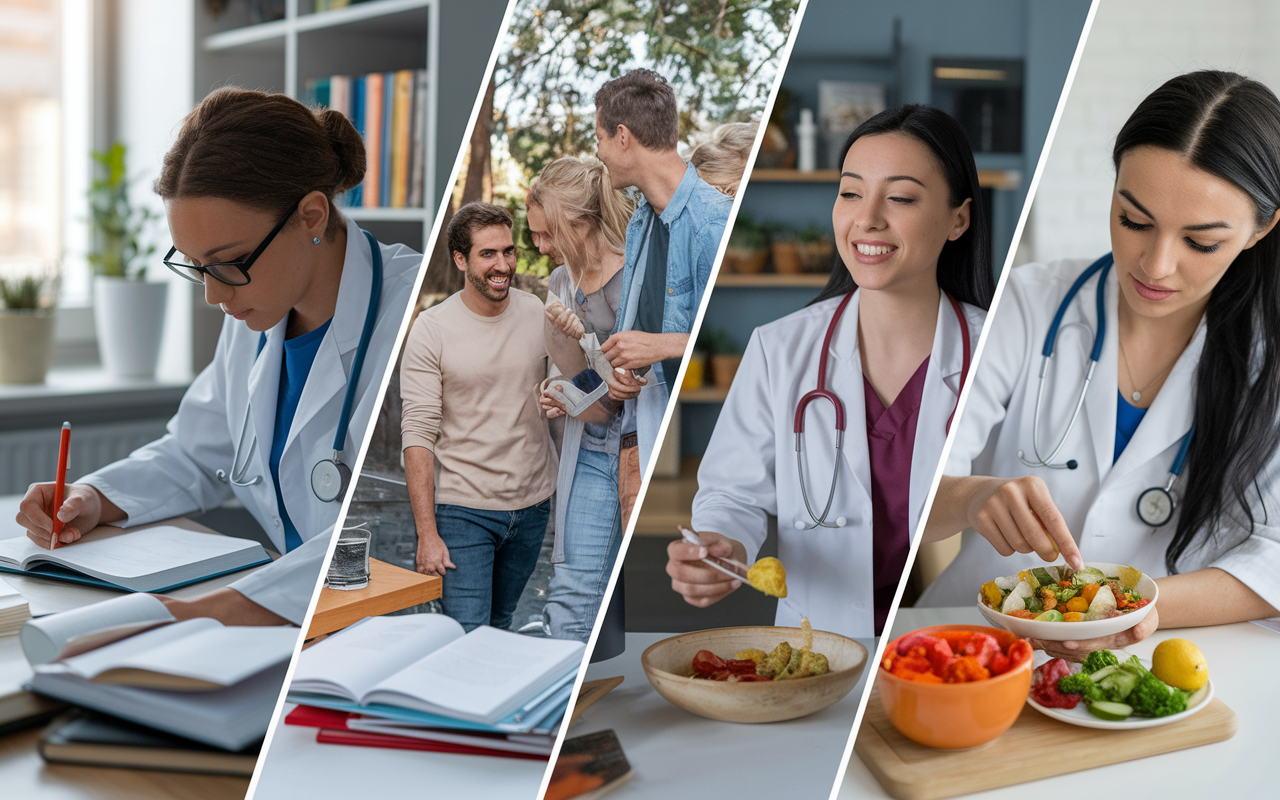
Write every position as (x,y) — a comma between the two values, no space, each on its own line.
(86,395)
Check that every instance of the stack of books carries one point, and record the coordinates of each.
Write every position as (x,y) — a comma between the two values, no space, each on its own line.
(13,610)
(389,110)
(419,682)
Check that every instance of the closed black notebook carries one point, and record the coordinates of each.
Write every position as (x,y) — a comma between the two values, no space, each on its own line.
(83,737)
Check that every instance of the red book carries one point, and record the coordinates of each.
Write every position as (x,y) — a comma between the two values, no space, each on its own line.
(364,739)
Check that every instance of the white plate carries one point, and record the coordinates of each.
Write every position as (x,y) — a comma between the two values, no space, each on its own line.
(1062,631)
(1080,714)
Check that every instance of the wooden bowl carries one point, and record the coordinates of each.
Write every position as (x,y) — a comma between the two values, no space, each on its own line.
(667,665)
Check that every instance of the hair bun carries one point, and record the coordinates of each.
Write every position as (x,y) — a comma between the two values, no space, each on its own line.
(347,146)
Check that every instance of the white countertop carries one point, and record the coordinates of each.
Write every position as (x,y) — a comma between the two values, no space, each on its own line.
(297,766)
(675,754)
(1239,658)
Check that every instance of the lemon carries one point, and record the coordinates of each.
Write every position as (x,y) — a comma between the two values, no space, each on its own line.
(1180,664)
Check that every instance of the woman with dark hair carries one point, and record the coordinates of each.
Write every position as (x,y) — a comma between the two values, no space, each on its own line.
(313,309)
(1167,463)
(882,354)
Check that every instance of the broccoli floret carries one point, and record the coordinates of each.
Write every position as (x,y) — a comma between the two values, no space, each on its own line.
(1152,698)
(1099,659)
(1080,684)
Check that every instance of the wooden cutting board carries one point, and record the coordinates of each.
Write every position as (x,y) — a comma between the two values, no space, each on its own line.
(910,771)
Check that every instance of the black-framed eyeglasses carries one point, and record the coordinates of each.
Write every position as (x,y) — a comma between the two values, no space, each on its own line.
(232,273)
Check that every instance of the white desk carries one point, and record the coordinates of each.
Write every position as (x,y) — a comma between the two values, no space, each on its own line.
(297,766)
(675,754)
(1239,657)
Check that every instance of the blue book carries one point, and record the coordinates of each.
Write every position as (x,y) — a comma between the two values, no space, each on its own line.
(355,197)
(388,103)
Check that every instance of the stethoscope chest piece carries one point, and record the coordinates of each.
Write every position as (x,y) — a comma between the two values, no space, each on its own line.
(330,479)
(1156,505)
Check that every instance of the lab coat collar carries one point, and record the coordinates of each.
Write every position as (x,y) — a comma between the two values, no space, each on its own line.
(328,377)
(1169,417)
(264,390)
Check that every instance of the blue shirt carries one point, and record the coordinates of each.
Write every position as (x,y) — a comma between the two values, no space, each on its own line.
(299,353)
(696,218)
(1128,417)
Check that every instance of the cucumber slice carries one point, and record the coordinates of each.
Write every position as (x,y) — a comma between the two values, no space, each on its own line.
(1111,712)
(1051,615)
(1102,673)
(1197,697)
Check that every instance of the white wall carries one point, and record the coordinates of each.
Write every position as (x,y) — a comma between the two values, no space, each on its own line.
(153,69)
(1134,46)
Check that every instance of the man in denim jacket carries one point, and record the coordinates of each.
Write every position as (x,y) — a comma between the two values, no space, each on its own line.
(676,230)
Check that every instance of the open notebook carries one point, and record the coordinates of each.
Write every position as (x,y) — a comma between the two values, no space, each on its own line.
(149,559)
(425,663)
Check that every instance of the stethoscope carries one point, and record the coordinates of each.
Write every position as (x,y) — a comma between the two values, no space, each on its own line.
(1155,505)
(330,477)
(823,393)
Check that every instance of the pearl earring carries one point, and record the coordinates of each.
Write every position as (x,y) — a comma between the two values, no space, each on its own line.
(316,240)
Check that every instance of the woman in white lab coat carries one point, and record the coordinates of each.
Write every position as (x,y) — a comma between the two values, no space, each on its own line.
(248,189)
(912,236)
(1192,333)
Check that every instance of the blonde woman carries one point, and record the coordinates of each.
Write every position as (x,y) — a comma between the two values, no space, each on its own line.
(721,160)
(577,217)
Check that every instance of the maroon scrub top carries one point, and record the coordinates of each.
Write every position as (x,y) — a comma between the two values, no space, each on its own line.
(891,437)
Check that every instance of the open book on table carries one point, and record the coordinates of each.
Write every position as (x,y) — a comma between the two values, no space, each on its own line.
(152,558)
(196,678)
(425,665)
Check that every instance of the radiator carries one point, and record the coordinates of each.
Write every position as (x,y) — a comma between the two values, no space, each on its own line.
(31,456)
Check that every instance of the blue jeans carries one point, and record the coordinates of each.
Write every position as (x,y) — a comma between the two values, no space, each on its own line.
(592,536)
(495,553)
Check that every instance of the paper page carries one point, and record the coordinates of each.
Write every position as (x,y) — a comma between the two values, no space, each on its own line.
(484,674)
(357,659)
(10,597)
(114,552)
(47,638)
(198,649)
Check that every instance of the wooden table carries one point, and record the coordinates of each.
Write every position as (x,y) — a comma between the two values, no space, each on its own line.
(390,588)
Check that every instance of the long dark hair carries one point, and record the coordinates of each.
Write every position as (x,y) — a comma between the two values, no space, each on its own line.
(1228,126)
(964,266)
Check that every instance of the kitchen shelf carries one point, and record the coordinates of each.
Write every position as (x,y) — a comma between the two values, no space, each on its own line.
(668,502)
(772,280)
(987,178)
(706,394)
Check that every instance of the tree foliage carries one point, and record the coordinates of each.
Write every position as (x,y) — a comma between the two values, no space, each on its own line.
(719,55)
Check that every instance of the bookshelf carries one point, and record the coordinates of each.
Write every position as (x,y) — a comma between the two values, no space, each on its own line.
(282,55)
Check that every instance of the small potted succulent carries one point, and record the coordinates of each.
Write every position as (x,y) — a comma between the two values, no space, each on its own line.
(748,245)
(786,254)
(726,356)
(28,293)
(128,311)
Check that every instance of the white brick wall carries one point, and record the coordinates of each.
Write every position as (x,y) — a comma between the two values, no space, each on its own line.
(1134,46)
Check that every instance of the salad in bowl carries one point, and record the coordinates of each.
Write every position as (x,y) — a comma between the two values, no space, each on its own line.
(1056,602)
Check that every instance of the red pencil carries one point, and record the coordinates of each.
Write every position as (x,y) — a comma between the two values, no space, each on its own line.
(60,486)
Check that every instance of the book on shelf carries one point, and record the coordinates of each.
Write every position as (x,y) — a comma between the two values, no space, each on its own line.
(388,110)
(129,658)
(152,558)
(385,733)
(13,609)
(85,738)
(426,665)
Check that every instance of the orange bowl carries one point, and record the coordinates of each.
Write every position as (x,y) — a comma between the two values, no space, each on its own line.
(955,715)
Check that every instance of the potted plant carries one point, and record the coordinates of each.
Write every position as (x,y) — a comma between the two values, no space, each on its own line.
(815,249)
(747,249)
(28,292)
(786,255)
(725,358)
(128,311)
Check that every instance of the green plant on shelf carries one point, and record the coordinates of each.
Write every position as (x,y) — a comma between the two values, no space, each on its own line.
(34,290)
(747,235)
(118,226)
(718,343)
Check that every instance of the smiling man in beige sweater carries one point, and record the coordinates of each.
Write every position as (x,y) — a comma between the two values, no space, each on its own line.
(478,454)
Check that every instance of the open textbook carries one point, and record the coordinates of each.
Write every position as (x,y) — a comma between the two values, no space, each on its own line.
(151,559)
(425,663)
(128,657)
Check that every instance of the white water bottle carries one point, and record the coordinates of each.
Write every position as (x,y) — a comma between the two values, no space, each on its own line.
(807,141)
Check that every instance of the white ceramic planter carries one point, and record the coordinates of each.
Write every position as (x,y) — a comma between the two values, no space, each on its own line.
(129,318)
(26,345)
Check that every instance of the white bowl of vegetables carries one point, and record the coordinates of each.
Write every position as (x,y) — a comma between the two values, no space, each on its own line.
(1113,598)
